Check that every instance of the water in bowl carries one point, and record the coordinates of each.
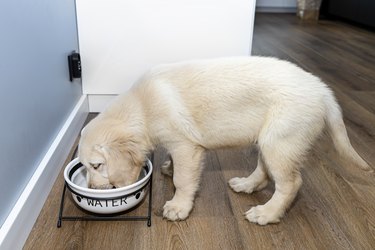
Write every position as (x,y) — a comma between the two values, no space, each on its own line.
(79,177)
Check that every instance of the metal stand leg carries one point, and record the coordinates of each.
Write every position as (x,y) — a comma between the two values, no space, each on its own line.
(150,194)
(149,203)
(61,206)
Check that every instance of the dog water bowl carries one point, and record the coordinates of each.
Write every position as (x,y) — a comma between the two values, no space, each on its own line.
(105,201)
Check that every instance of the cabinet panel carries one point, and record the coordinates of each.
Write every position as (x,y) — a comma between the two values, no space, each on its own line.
(344,8)
(360,11)
(120,40)
(366,12)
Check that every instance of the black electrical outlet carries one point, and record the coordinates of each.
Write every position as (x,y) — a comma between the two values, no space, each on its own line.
(74,61)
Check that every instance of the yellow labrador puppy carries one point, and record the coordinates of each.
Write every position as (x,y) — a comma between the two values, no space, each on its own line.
(192,106)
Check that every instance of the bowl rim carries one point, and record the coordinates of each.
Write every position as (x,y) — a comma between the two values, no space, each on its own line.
(76,161)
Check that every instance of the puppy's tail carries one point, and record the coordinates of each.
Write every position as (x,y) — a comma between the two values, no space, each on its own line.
(339,134)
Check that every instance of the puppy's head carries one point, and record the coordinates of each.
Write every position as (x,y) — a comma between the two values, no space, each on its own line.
(112,154)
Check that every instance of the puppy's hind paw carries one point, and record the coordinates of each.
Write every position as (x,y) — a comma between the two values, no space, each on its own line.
(239,184)
(247,185)
(167,168)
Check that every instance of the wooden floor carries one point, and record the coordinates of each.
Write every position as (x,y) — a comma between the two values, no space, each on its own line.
(335,208)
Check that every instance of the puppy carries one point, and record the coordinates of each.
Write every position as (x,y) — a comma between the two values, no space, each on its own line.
(192,106)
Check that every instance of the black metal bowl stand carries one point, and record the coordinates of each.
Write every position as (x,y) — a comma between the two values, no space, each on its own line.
(112,217)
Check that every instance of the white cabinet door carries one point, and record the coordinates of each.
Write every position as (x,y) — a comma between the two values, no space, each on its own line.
(121,39)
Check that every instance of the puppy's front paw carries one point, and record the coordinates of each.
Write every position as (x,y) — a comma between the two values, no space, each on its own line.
(176,210)
(263,215)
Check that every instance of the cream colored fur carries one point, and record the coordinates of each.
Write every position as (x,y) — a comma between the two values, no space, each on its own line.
(192,106)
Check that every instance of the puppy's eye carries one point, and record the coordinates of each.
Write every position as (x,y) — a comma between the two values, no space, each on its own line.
(96,166)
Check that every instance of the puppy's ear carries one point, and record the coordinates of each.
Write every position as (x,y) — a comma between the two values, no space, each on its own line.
(136,154)
(127,146)
(127,142)
(103,150)
(99,148)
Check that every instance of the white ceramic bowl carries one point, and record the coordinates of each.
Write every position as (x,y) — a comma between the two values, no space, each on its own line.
(105,201)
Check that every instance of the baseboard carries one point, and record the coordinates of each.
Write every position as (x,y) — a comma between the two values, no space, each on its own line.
(18,224)
(97,103)
(276,9)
